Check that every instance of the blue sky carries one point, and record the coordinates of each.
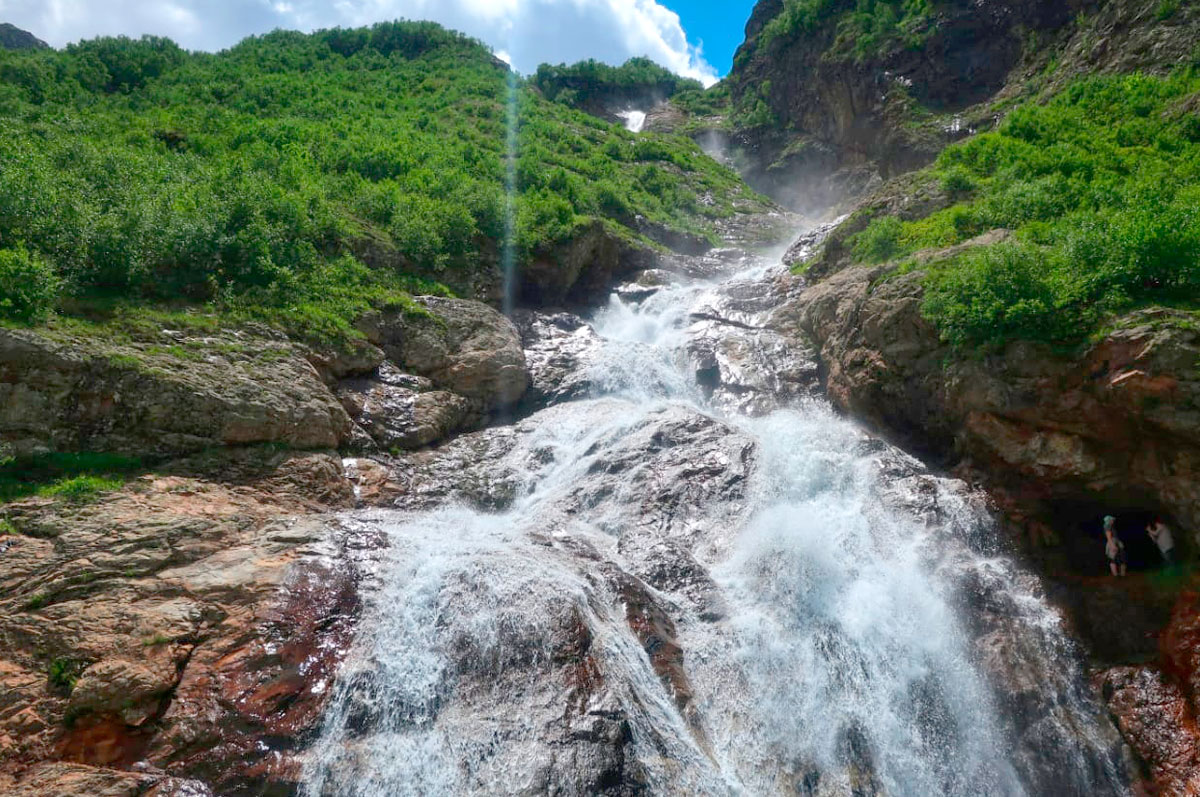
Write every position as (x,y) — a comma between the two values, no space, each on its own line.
(526,32)
(719,24)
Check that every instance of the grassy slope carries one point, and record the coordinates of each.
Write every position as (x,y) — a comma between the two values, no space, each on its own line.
(1101,186)
(247,181)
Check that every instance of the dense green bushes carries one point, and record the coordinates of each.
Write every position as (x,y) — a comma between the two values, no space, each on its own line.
(28,286)
(582,84)
(863,28)
(260,179)
(1101,186)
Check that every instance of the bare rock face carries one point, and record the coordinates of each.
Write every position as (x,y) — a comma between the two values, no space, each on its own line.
(744,359)
(179,395)
(462,346)
(173,638)
(13,38)
(559,349)
(578,271)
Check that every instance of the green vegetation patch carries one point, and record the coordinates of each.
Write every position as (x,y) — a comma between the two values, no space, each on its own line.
(863,28)
(63,673)
(299,178)
(77,477)
(591,82)
(1101,187)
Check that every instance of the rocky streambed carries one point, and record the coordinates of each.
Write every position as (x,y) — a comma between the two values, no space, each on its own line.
(634,552)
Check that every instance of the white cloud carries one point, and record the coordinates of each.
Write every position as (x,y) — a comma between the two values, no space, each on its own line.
(528,31)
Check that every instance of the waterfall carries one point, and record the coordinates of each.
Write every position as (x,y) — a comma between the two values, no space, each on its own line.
(635,121)
(649,591)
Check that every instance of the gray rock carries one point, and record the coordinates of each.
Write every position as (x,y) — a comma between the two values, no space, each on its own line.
(178,394)
(398,410)
(560,349)
(463,346)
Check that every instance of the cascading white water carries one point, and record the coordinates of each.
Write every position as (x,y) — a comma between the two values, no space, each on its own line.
(843,617)
(635,120)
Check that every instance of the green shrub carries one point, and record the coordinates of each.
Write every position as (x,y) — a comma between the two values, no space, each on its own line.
(242,180)
(1166,9)
(64,673)
(957,182)
(28,286)
(74,476)
(81,489)
(880,241)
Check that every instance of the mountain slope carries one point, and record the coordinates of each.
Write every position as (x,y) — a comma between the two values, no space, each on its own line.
(13,38)
(830,96)
(301,178)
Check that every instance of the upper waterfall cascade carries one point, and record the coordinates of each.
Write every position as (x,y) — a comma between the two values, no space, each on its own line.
(698,579)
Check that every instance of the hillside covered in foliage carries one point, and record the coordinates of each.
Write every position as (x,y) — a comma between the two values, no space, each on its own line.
(299,178)
(1100,187)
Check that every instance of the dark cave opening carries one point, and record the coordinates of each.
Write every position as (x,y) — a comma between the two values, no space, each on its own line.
(1080,525)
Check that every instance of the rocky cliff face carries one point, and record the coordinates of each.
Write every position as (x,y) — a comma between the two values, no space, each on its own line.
(847,103)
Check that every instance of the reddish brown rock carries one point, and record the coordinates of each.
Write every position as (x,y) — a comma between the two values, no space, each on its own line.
(1158,722)
(183,628)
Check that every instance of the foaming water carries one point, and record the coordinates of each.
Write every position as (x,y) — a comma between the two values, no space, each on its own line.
(849,626)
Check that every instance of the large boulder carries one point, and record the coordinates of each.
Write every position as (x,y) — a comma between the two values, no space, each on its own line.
(174,393)
(399,410)
(462,346)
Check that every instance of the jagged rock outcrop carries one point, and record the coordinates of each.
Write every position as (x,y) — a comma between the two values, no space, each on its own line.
(1116,425)
(184,625)
(13,38)
(581,269)
(842,118)
(1157,706)
(461,346)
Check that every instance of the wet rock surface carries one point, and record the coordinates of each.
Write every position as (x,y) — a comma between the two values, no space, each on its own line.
(1157,705)
(636,526)
(398,410)
(560,349)
(172,638)
(744,359)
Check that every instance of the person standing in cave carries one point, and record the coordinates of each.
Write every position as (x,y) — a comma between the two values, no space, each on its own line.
(1114,548)
(1161,534)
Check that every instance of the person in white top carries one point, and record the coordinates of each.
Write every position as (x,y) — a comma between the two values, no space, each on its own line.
(1161,534)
